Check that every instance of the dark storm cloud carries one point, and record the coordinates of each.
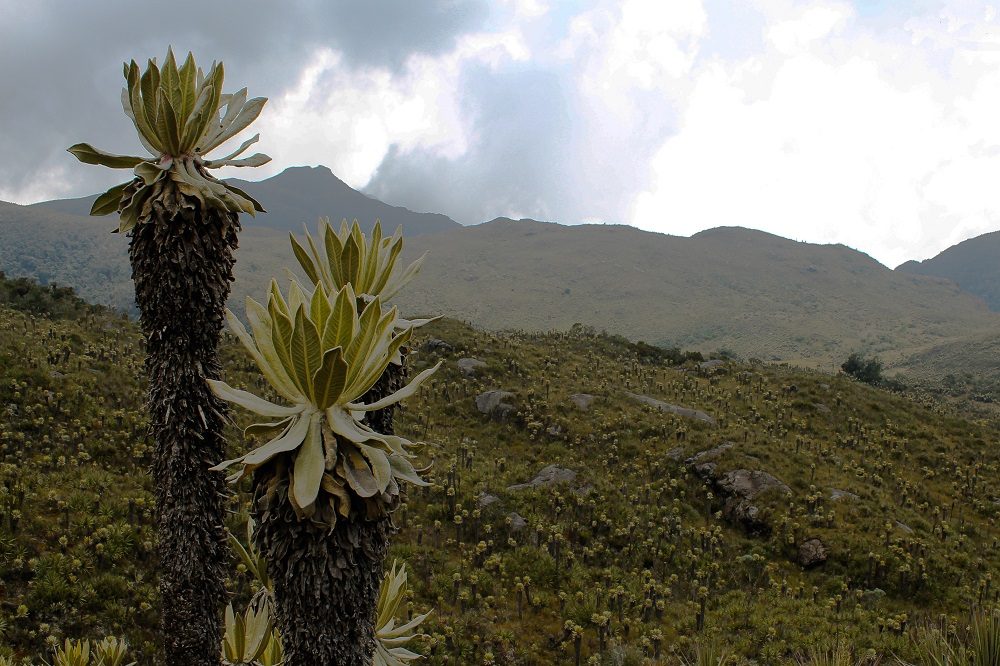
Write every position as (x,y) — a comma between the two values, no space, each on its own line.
(61,72)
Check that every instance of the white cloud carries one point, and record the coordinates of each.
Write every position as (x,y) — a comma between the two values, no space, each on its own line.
(633,45)
(812,25)
(887,142)
(528,9)
(349,118)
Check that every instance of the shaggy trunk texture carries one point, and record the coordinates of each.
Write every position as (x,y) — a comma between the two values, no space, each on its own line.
(326,583)
(182,264)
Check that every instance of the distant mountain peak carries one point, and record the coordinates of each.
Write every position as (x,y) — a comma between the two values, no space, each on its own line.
(973,264)
(301,195)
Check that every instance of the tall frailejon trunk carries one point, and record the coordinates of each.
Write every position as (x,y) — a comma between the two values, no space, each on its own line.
(326,583)
(182,263)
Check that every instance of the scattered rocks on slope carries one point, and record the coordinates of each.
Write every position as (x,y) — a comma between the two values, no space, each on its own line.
(675,453)
(836,495)
(469,366)
(820,407)
(486,499)
(706,470)
(740,487)
(492,403)
(749,484)
(709,454)
(548,476)
(812,553)
(673,409)
(582,401)
(435,345)
(903,526)
(517,523)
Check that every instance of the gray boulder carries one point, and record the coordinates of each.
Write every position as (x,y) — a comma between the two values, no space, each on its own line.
(434,345)
(709,454)
(740,487)
(548,476)
(749,484)
(672,409)
(486,499)
(812,553)
(836,495)
(469,366)
(493,404)
(517,523)
(582,401)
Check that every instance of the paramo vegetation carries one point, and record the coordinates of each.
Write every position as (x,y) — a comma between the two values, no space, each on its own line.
(568,497)
(629,551)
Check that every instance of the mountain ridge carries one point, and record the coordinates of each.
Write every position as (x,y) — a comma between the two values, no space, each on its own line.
(300,195)
(741,290)
(973,264)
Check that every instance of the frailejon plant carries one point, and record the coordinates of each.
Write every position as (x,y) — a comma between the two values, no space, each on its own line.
(369,264)
(183,227)
(979,646)
(109,651)
(389,648)
(326,482)
(250,638)
(245,638)
(180,114)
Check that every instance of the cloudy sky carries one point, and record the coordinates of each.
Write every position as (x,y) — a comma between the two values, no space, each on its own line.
(873,123)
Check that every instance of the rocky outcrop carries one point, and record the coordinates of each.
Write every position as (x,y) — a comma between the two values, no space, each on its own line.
(812,553)
(750,484)
(493,404)
(517,523)
(548,476)
(709,454)
(485,500)
(436,346)
(672,409)
(582,401)
(739,488)
(469,366)
(837,495)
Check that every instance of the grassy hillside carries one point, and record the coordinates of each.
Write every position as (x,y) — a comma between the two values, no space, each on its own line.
(629,552)
(754,294)
(966,371)
(974,265)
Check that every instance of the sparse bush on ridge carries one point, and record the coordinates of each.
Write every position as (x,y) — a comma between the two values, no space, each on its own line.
(867,370)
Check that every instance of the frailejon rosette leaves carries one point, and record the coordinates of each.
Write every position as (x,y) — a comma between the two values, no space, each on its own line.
(321,356)
(370,264)
(391,639)
(180,114)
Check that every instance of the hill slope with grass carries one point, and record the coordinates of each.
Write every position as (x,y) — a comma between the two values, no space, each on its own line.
(753,294)
(750,292)
(974,265)
(589,495)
